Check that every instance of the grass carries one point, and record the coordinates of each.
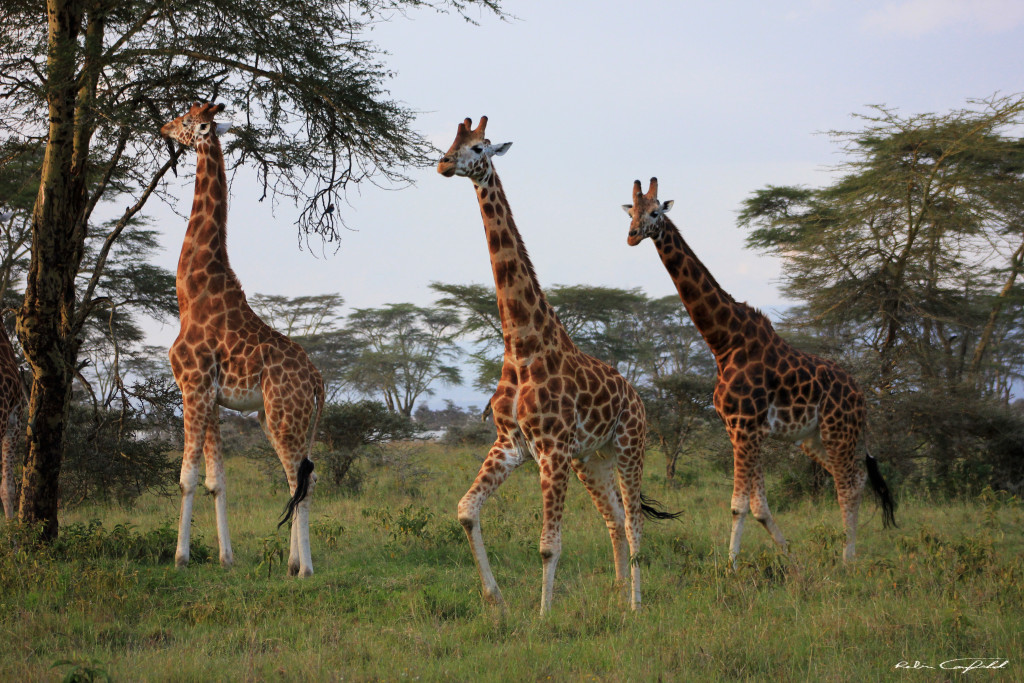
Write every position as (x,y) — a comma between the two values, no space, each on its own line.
(396,595)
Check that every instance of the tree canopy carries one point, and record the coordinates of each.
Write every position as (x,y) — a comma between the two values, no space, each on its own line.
(86,84)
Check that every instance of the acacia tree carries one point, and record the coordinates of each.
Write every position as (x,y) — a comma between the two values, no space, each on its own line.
(95,79)
(909,264)
(917,248)
(405,350)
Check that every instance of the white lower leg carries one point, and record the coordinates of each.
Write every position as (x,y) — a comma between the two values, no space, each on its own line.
(181,554)
(302,536)
(293,545)
(220,502)
(738,517)
(491,593)
(549,558)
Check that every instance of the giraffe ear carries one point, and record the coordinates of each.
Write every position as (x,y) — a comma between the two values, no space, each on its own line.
(628,208)
(223,128)
(665,206)
(498,150)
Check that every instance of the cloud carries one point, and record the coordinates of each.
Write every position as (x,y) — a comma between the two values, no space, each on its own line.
(920,17)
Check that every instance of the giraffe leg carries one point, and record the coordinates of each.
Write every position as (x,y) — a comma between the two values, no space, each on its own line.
(197,407)
(300,559)
(216,484)
(287,432)
(850,480)
(10,446)
(745,454)
(630,474)
(554,481)
(759,506)
(501,460)
(598,476)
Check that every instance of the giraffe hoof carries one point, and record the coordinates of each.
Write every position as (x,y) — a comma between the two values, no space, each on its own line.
(305,573)
(180,562)
(293,570)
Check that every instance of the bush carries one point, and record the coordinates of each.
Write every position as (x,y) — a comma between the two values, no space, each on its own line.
(113,455)
(348,431)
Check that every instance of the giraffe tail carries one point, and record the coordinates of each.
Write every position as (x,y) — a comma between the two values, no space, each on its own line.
(305,474)
(306,466)
(652,509)
(881,490)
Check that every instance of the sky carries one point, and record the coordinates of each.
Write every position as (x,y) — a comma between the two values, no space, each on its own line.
(715,99)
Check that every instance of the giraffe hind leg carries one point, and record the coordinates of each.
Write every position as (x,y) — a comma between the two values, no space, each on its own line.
(598,476)
(288,435)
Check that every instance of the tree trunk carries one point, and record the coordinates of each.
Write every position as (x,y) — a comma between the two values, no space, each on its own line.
(45,320)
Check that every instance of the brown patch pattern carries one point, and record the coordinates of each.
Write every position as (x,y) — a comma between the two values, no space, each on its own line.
(567,410)
(765,386)
(225,355)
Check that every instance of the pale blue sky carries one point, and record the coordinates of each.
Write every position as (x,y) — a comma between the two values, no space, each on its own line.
(716,99)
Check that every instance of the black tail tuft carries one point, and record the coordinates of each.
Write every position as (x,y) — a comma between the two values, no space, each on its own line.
(653,509)
(882,491)
(305,472)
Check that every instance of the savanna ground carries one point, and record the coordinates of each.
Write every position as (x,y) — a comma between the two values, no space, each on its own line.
(396,595)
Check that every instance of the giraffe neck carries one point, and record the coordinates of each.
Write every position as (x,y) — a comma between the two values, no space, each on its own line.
(203,266)
(716,315)
(529,324)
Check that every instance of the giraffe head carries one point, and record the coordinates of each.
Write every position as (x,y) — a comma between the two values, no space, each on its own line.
(647,213)
(196,125)
(470,153)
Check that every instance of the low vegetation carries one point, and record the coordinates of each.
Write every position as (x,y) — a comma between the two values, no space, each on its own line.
(396,596)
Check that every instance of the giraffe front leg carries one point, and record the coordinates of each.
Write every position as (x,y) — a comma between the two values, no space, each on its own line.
(554,481)
(500,462)
(188,481)
(745,454)
(759,507)
(216,484)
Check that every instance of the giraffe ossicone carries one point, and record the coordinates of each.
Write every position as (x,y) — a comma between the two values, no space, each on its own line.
(555,404)
(226,356)
(765,387)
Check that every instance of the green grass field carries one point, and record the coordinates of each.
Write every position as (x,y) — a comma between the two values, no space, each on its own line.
(396,596)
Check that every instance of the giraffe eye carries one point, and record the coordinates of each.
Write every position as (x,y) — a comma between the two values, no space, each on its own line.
(654,214)
(477,148)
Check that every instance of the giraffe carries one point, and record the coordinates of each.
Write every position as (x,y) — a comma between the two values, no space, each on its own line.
(12,410)
(554,403)
(765,386)
(226,356)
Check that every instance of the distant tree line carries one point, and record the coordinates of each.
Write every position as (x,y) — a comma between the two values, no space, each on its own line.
(907,270)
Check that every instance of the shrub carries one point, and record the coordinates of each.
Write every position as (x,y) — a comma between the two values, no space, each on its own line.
(348,431)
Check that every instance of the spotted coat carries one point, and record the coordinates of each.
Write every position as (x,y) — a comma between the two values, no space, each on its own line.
(225,355)
(555,404)
(765,387)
